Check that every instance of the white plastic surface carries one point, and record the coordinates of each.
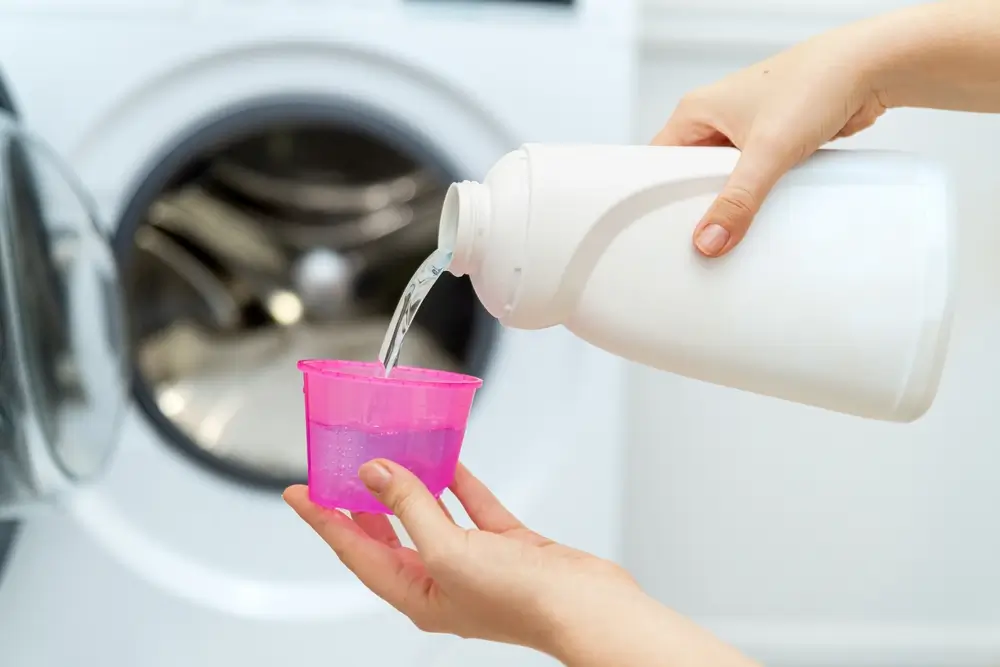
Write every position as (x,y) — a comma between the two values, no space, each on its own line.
(841,297)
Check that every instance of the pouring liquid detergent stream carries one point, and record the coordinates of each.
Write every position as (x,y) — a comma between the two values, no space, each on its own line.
(406,310)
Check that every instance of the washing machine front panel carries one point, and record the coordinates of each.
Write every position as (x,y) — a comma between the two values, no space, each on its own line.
(592,17)
(595,17)
(233,91)
(163,542)
(539,77)
(118,156)
(156,507)
(111,615)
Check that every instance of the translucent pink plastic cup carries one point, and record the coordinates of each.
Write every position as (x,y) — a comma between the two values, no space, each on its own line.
(416,418)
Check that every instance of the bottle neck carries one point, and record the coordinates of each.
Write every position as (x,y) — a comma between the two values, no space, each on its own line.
(465,220)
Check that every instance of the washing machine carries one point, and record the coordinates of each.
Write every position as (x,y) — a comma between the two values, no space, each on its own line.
(197,194)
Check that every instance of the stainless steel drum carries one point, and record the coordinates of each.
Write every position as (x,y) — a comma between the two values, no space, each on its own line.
(290,240)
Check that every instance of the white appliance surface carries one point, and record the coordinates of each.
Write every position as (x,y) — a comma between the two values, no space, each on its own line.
(811,538)
(162,562)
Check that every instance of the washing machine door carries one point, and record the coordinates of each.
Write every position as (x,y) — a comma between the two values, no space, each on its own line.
(62,352)
(8,529)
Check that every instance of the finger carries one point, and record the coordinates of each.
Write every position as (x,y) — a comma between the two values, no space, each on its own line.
(480,504)
(400,490)
(376,565)
(728,219)
(681,131)
(447,512)
(378,528)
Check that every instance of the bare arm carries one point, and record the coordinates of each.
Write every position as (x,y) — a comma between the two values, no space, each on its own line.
(642,632)
(944,55)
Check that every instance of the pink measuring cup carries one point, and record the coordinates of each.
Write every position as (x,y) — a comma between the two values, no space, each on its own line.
(416,418)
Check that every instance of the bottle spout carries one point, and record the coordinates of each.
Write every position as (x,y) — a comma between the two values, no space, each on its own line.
(448,226)
(464,220)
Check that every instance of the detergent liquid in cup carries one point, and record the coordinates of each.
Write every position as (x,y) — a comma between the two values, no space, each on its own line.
(354,413)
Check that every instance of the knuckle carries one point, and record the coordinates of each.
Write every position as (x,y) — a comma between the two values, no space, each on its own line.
(438,559)
(692,99)
(403,503)
(768,140)
(685,106)
(782,146)
(737,202)
(687,109)
(777,133)
(444,555)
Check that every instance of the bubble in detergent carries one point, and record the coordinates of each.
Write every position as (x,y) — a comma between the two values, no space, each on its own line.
(337,452)
(413,296)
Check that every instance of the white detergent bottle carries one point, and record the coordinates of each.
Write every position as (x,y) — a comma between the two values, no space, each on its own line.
(840,296)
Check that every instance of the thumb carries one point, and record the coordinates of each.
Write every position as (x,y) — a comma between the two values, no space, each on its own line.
(410,501)
(727,221)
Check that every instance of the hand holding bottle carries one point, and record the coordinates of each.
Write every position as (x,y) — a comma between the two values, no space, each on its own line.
(941,55)
(501,581)
(777,112)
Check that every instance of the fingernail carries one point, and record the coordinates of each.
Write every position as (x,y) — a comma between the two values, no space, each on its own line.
(375,476)
(712,239)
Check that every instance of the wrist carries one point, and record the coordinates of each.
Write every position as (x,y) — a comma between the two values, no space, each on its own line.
(894,45)
(628,628)
(872,53)
(583,630)
(942,55)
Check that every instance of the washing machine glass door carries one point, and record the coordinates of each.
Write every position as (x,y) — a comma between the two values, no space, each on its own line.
(62,352)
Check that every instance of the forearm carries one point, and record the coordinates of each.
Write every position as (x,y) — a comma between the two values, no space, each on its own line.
(944,55)
(636,630)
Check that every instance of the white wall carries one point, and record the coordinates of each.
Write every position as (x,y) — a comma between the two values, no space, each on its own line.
(812,538)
